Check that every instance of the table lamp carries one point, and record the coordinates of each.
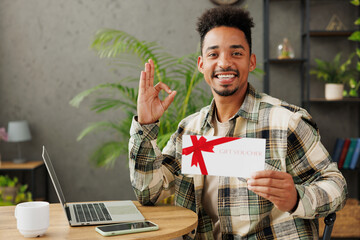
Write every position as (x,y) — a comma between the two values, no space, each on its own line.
(18,131)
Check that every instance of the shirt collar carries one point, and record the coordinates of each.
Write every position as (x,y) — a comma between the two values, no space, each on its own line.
(248,110)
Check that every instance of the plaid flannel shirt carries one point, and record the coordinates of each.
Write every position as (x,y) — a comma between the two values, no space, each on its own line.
(292,145)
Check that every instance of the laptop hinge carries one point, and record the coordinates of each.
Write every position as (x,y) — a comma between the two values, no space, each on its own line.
(67,210)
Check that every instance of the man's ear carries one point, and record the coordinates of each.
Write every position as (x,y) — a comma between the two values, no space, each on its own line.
(200,64)
(252,64)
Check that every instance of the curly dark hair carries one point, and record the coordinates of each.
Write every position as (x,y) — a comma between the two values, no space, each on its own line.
(225,16)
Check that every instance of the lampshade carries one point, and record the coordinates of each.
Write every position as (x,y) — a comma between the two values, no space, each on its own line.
(18,131)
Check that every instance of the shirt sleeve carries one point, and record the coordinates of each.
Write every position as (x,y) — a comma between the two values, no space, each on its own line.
(151,180)
(321,187)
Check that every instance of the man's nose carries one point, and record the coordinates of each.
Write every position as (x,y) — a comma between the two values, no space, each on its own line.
(224,61)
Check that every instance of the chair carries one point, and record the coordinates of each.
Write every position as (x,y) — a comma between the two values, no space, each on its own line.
(329,224)
(347,222)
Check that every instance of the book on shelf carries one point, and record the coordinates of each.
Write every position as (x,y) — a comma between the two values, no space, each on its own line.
(337,149)
(344,152)
(358,163)
(347,153)
(355,158)
(350,153)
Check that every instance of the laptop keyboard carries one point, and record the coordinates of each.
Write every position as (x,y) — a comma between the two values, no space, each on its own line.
(91,212)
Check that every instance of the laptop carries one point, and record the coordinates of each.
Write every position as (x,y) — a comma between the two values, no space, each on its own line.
(92,213)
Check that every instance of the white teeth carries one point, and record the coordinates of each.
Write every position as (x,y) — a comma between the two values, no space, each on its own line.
(226,76)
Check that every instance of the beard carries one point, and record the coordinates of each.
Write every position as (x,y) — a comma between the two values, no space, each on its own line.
(226,92)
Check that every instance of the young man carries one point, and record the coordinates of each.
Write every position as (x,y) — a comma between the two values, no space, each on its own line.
(300,182)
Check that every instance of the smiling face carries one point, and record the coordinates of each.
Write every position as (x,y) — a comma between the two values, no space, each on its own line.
(226,62)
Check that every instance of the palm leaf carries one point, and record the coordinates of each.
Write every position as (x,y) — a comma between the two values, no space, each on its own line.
(111,43)
(97,126)
(81,96)
(107,154)
(104,104)
(163,139)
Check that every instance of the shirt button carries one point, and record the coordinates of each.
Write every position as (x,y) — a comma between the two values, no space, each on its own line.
(140,132)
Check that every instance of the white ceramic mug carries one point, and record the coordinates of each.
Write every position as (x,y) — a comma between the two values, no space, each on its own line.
(32,218)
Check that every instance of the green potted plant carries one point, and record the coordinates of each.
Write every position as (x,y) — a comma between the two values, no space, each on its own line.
(11,192)
(179,73)
(354,83)
(335,74)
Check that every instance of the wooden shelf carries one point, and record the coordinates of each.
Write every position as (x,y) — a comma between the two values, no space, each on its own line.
(349,170)
(322,33)
(8,165)
(344,100)
(30,168)
(290,60)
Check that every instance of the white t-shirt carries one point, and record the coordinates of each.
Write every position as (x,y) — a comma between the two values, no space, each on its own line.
(211,184)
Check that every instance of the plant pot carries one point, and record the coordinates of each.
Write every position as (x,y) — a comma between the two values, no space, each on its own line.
(334,91)
(9,193)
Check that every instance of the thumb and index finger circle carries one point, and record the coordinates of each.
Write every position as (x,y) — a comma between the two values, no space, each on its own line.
(162,86)
(170,98)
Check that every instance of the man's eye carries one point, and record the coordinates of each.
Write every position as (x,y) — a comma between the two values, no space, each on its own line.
(212,55)
(237,54)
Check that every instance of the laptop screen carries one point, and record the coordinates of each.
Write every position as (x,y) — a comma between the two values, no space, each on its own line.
(53,177)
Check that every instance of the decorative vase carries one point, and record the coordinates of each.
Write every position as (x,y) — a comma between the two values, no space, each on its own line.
(334,91)
(285,51)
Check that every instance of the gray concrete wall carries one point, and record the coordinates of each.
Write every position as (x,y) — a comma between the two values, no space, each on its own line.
(45,61)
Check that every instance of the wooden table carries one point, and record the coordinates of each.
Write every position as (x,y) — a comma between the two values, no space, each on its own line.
(173,222)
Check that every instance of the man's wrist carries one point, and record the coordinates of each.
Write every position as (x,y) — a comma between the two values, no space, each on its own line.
(142,124)
(296,204)
(146,132)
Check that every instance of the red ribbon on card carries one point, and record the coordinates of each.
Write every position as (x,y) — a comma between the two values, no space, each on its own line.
(203,145)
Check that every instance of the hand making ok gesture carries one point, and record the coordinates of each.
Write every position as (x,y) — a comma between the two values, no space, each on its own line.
(149,106)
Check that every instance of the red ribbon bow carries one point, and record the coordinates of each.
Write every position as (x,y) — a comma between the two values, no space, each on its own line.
(203,145)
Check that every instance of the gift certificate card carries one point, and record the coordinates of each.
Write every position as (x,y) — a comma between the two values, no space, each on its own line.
(222,156)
